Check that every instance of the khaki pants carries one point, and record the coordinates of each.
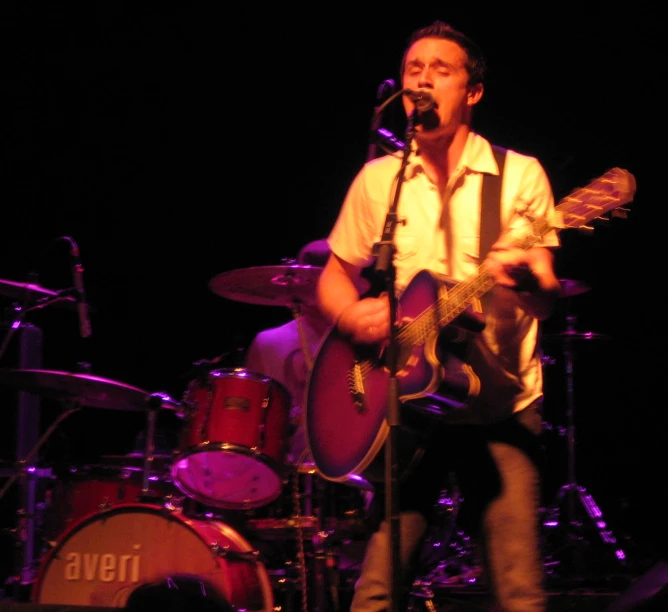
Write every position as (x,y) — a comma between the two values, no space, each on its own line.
(498,473)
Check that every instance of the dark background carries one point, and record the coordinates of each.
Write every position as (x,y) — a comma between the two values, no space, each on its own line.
(174,143)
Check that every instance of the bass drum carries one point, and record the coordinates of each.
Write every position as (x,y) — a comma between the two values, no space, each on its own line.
(103,558)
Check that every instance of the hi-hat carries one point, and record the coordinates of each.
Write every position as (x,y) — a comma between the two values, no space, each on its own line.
(569,287)
(84,389)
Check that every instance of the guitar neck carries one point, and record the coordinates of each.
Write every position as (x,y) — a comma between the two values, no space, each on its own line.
(605,193)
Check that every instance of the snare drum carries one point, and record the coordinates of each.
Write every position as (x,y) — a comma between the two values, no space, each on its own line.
(102,559)
(233,446)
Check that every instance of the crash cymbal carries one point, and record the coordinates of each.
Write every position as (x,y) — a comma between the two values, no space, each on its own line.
(268,285)
(83,389)
(29,293)
(569,287)
(272,285)
(574,335)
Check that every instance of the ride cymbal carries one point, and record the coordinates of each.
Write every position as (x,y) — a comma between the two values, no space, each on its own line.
(82,389)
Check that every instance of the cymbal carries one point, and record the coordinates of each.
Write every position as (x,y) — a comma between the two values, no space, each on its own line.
(83,389)
(31,293)
(574,335)
(569,287)
(268,285)
(272,285)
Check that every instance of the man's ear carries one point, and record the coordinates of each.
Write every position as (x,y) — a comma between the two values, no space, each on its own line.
(475,93)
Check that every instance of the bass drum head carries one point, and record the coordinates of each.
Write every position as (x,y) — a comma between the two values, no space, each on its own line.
(103,558)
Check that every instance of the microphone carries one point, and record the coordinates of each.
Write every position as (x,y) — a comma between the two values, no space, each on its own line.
(385,89)
(82,305)
(422,98)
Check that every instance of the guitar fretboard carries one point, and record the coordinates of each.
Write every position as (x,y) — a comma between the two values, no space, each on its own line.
(611,190)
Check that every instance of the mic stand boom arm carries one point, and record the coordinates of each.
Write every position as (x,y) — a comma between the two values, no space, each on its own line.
(384,252)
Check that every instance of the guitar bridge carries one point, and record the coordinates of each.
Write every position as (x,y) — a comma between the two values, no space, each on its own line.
(356,386)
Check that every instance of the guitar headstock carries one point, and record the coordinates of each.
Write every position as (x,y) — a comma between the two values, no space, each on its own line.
(605,194)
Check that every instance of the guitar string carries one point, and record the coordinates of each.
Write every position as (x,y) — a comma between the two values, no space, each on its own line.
(579,201)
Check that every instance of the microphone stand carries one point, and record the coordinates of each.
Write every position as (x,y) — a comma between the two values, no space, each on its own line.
(387,86)
(384,252)
(66,295)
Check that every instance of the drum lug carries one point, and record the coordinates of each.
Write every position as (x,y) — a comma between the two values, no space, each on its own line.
(172,503)
(225,551)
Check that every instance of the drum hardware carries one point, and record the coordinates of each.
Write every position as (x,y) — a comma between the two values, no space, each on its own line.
(25,467)
(83,389)
(226,552)
(30,297)
(314,519)
(572,493)
(76,390)
(26,515)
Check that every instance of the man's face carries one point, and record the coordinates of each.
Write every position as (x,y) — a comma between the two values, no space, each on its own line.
(440,66)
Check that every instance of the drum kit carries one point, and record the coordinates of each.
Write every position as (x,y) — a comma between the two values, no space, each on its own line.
(224,505)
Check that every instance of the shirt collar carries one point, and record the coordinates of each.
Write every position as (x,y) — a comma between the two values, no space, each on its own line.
(477,157)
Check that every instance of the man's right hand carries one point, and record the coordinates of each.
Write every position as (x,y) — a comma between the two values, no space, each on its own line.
(366,321)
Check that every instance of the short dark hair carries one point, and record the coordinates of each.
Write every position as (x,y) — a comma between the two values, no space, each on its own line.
(476,65)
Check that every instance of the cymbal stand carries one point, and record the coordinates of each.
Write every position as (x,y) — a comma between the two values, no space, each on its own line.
(62,296)
(571,493)
(154,402)
(319,540)
(25,470)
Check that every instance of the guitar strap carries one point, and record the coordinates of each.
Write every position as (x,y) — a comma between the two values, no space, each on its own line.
(490,211)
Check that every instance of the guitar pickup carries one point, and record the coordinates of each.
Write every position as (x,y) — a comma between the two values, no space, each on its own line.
(356,387)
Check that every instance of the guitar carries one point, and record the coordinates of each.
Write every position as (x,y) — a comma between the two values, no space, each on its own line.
(347,390)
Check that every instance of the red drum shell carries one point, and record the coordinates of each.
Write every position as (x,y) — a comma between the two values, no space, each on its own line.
(233,446)
(103,558)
